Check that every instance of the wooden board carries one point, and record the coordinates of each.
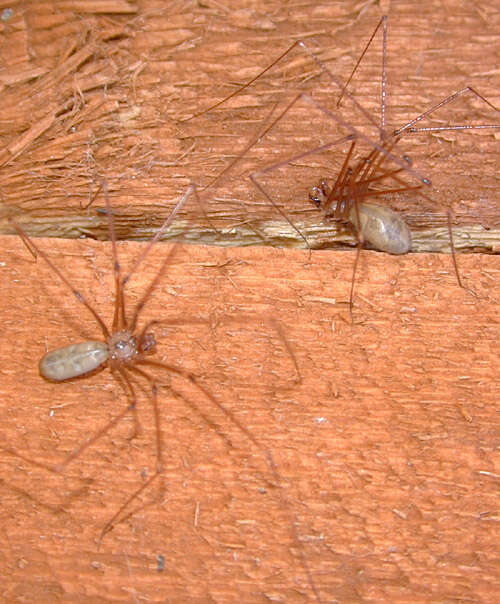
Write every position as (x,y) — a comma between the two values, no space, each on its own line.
(387,448)
(103,93)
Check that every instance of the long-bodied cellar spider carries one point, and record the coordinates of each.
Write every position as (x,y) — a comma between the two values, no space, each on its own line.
(365,160)
(128,350)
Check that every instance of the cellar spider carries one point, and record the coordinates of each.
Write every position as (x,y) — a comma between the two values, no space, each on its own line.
(127,350)
(371,168)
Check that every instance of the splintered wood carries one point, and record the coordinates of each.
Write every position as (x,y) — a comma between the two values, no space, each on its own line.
(115,87)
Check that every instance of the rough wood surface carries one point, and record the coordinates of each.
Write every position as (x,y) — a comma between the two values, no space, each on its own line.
(88,95)
(387,447)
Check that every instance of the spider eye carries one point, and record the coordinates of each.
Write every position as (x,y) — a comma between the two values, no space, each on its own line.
(315,200)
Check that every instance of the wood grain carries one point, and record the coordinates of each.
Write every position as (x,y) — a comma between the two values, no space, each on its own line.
(387,447)
(104,95)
